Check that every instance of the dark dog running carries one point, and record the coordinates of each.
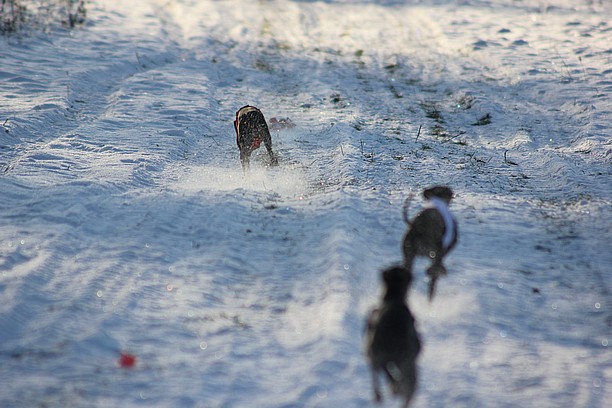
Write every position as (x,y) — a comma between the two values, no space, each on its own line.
(432,233)
(252,129)
(391,341)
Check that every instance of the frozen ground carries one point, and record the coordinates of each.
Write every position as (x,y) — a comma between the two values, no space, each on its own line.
(126,223)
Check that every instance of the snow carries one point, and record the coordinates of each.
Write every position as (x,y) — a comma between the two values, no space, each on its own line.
(127,225)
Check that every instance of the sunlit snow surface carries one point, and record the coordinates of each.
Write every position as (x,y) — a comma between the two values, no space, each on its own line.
(127,224)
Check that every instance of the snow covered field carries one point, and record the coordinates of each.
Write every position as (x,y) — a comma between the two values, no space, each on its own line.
(126,224)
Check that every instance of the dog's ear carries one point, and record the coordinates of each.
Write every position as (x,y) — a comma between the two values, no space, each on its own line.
(239,113)
(237,120)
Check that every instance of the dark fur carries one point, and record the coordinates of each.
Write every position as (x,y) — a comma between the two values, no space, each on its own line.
(391,341)
(252,129)
(424,237)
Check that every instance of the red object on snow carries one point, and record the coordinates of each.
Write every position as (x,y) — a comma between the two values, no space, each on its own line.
(279,124)
(127,360)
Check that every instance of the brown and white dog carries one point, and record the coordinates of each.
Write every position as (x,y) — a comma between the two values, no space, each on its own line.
(252,129)
(392,343)
(432,233)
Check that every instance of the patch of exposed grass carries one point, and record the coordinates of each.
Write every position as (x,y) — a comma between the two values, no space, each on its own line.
(485,120)
(16,15)
(464,102)
(438,131)
(262,65)
(432,111)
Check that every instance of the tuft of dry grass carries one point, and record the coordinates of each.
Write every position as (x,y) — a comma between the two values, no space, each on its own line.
(16,15)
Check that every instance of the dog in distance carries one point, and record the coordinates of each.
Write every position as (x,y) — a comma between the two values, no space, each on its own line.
(252,129)
(432,233)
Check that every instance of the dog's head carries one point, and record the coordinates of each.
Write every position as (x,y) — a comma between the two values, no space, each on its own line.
(397,280)
(441,192)
(245,109)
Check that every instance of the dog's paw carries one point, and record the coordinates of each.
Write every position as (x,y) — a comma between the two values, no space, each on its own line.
(436,271)
(378,397)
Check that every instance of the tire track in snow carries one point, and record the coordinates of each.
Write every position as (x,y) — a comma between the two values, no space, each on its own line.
(542,186)
(312,319)
(77,301)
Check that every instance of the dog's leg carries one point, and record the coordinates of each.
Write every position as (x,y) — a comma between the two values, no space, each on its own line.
(432,287)
(267,139)
(409,379)
(245,159)
(434,272)
(409,251)
(376,385)
(409,257)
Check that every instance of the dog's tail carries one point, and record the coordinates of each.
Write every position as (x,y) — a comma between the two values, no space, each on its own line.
(405,209)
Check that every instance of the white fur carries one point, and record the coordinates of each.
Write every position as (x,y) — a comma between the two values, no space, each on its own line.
(449,231)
